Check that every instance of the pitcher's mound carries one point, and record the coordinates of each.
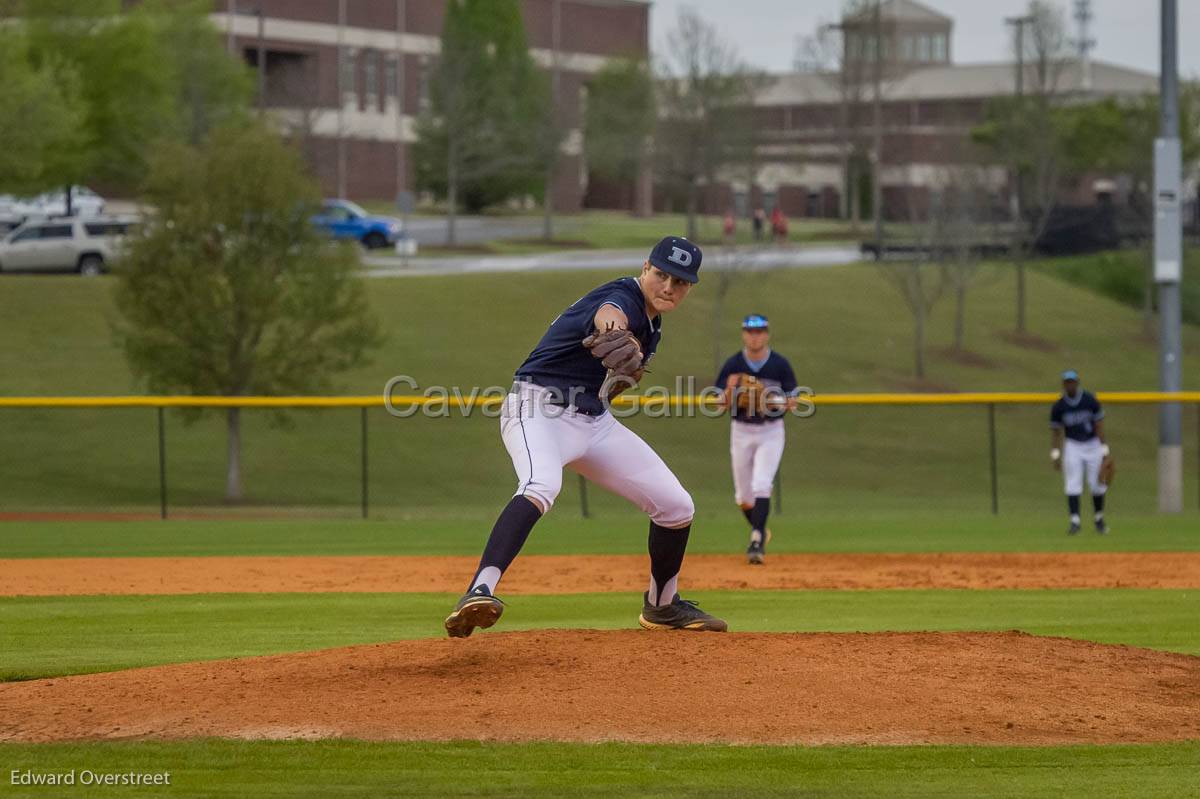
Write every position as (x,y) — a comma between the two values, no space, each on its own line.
(579,685)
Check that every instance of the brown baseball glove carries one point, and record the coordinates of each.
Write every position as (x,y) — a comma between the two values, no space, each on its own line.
(750,394)
(1108,469)
(621,353)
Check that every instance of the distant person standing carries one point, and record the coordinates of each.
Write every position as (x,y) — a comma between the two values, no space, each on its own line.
(1077,448)
(729,228)
(779,227)
(760,388)
(759,221)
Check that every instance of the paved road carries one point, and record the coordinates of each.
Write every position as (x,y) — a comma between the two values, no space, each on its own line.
(742,258)
(479,229)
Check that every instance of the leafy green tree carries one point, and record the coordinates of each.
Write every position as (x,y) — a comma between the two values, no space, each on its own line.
(40,115)
(228,290)
(155,72)
(482,139)
(619,120)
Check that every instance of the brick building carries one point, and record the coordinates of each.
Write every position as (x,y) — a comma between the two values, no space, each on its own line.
(349,77)
(929,107)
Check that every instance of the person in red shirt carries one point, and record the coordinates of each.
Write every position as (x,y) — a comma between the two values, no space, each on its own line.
(779,225)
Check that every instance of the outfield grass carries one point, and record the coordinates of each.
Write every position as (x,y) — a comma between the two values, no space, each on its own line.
(41,636)
(613,531)
(844,329)
(209,768)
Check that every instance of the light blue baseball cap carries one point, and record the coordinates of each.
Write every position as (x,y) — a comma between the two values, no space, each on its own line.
(755,321)
(1070,374)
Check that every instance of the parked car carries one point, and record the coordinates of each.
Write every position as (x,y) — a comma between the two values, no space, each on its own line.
(87,246)
(343,219)
(84,202)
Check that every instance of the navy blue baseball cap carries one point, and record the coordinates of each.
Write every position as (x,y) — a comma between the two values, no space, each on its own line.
(1070,374)
(755,321)
(677,256)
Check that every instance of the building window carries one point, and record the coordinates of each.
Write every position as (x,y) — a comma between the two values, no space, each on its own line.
(872,48)
(348,82)
(939,47)
(906,48)
(424,76)
(391,78)
(853,51)
(924,45)
(371,78)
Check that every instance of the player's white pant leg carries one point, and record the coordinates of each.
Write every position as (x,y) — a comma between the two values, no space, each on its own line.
(767,455)
(1072,466)
(1093,457)
(618,460)
(742,444)
(539,439)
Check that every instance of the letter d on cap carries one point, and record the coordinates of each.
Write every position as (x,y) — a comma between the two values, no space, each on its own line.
(681,257)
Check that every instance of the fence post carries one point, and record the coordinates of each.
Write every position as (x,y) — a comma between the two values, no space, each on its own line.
(162,466)
(583,499)
(992,457)
(363,420)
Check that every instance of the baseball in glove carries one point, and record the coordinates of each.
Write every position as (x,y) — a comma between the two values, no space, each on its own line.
(1108,469)
(621,353)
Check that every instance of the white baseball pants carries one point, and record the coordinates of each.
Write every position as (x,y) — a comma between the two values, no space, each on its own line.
(542,438)
(755,450)
(1080,458)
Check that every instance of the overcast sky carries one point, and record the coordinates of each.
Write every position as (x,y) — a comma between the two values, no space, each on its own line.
(765,31)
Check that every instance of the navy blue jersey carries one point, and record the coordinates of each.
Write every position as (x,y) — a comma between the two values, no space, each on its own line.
(561,361)
(776,373)
(1077,417)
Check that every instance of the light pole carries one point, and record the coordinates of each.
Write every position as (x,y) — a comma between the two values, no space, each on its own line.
(1168,266)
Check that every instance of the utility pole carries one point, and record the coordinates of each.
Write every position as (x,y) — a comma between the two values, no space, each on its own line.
(1019,24)
(877,125)
(262,60)
(1085,43)
(551,122)
(1168,265)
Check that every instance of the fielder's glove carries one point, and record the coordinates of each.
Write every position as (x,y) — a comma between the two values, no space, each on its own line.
(750,394)
(1108,469)
(621,353)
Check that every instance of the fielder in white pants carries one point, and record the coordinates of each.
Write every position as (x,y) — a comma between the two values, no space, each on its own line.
(760,388)
(1077,447)
(557,416)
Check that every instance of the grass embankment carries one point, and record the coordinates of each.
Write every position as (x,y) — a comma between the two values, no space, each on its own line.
(845,329)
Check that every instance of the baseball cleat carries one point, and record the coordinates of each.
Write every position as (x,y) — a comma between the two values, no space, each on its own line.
(681,614)
(477,608)
(1101,527)
(1073,529)
(755,553)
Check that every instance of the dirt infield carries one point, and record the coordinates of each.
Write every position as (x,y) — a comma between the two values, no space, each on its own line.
(554,574)
(577,685)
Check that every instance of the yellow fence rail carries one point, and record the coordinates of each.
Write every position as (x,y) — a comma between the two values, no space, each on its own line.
(409,400)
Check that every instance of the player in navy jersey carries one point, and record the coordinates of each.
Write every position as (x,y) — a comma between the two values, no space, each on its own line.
(756,435)
(1077,447)
(557,415)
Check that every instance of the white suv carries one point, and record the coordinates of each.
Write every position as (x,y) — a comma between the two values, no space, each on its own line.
(87,246)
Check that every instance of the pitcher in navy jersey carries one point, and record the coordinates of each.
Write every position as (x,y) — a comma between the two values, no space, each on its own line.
(557,415)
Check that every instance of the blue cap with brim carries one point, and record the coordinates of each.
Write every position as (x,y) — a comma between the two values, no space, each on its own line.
(755,321)
(1070,374)
(677,256)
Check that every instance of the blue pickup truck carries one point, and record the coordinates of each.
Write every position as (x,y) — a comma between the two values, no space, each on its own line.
(343,219)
